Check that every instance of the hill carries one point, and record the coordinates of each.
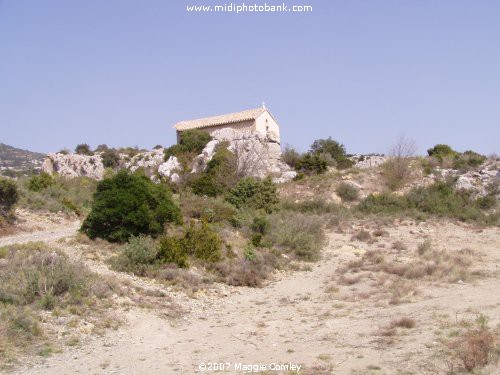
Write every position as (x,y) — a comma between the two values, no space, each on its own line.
(15,161)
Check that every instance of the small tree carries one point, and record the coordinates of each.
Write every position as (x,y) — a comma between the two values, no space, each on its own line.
(110,158)
(334,153)
(251,192)
(83,149)
(397,169)
(8,195)
(129,205)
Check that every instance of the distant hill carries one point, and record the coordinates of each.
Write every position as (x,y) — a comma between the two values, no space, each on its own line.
(14,161)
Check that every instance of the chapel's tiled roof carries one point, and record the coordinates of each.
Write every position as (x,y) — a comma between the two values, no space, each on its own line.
(230,118)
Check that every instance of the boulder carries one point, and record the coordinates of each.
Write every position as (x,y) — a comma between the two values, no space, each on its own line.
(74,165)
(169,168)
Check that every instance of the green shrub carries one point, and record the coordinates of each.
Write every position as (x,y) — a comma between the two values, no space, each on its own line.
(83,149)
(171,250)
(141,250)
(192,141)
(439,199)
(101,148)
(64,194)
(8,195)
(256,239)
(468,159)
(40,182)
(312,163)
(334,150)
(291,157)
(128,205)
(486,202)
(210,209)
(254,193)
(297,233)
(110,158)
(220,175)
(383,203)
(202,242)
(260,224)
(347,192)
(441,151)
(33,271)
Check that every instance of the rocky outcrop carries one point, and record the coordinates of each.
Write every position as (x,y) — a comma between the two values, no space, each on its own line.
(74,165)
(170,168)
(148,160)
(368,161)
(257,155)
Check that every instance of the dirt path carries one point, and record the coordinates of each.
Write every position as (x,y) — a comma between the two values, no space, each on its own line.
(69,229)
(292,320)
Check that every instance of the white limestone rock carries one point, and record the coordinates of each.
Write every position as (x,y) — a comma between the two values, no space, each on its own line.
(74,165)
(169,168)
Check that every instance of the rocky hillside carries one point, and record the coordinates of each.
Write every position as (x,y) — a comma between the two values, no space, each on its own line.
(17,161)
(257,156)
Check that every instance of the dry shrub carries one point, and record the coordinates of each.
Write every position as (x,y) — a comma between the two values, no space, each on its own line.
(475,348)
(35,277)
(297,233)
(247,272)
(349,280)
(403,322)
(379,232)
(399,245)
(362,235)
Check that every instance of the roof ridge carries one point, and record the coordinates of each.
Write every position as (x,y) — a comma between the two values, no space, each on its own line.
(245,115)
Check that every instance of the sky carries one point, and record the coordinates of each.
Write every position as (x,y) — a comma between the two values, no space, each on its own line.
(122,72)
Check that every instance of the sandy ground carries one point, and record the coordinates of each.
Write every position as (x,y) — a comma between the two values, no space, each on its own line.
(294,320)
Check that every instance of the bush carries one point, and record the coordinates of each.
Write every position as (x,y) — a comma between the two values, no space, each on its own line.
(192,141)
(383,203)
(258,194)
(486,202)
(36,277)
(468,159)
(291,157)
(40,182)
(110,158)
(210,209)
(347,192)
(260,224)
(220,174)
(101,148)
(334,150)
(441,151)
(127,205)
(171,250)
(141,250)
(8,195)
(83,149)
(438,199)
(312,163)
(64,194)
(297,233)
(202,242)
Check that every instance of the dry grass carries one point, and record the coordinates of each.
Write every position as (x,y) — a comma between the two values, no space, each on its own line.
(394,275)
(476,347)
(39,281)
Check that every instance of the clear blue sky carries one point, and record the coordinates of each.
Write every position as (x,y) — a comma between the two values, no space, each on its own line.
(122,72)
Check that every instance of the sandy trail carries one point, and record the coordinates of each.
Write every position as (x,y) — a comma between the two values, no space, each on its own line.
(69,229)
(291,320)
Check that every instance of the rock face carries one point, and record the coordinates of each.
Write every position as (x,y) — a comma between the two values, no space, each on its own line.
(169,169)
(146,160)
(74,165)
(257,155)
(368,161)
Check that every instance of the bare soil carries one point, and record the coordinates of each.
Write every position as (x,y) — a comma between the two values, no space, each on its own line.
(306,318)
